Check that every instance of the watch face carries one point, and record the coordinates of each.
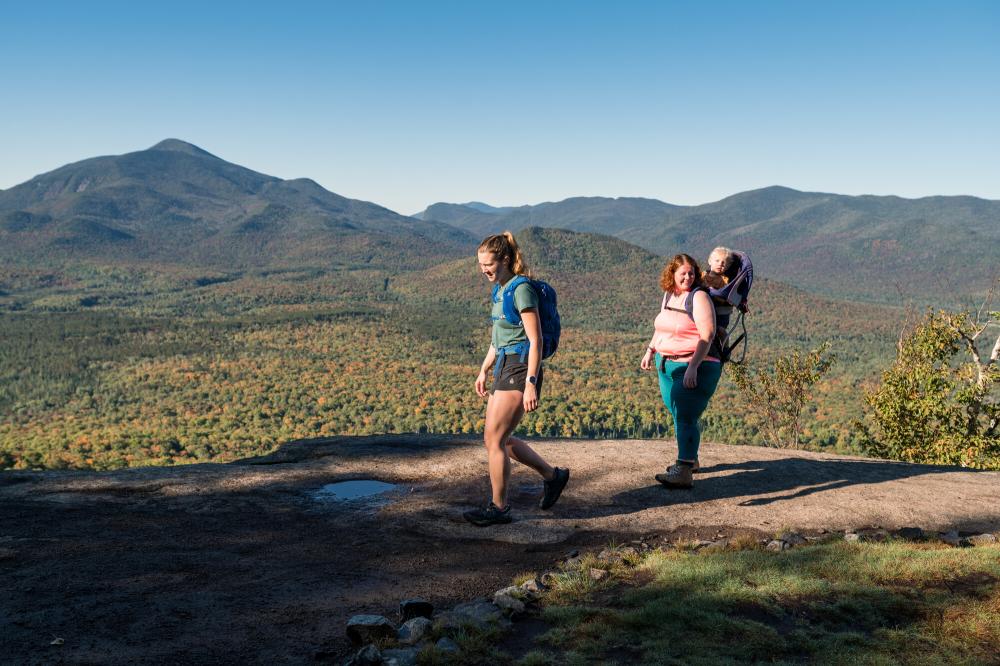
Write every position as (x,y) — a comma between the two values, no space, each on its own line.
(532,380)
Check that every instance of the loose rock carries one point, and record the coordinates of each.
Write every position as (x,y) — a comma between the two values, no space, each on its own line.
(598,574)
(363,629)
(910,533)
(447,645)
(793,538)
(507,600)
(533,587)
(366,656)
(414,630)
(479,614)
(411,608)
(777,545)
(982,539)
(617,554)
(951,538)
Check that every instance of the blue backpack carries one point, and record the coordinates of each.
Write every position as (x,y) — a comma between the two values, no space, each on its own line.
(547,313)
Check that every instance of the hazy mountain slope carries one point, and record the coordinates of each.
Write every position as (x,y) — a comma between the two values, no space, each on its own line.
(604,283)
(176,202)
(596,214)
(834,244)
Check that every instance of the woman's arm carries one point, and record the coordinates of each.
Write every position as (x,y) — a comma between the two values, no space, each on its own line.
(533,329)
(491,356)
(647,357)
(704,320)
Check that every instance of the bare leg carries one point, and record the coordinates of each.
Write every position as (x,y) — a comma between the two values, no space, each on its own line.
(524,454)
(503,413)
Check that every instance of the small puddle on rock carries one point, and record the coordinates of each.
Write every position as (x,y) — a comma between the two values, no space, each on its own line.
(351,490)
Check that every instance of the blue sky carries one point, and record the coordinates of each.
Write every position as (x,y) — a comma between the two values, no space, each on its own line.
(409,103)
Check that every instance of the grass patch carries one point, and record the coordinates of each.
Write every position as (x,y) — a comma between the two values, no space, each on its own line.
(832,602)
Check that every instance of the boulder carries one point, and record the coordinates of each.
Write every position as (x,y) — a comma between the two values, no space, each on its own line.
(910,533)
(479,614)
(447,645)
(508,602)
(982,539)
(366,656)
(617,554)
(414,630)
(533,587)
(401,656)
(777,545)
(951,538)
(793,538)
(411,608)
(363,629)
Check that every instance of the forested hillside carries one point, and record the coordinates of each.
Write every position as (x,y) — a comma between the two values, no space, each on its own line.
(106,366)
(869,247)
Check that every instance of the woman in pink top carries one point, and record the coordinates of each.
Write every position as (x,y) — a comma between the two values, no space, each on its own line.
(681,350)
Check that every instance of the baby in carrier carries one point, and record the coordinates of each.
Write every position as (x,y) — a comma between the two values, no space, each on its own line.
(720,265)
(728,281)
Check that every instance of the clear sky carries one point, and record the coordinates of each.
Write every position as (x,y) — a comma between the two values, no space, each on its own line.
(409,103)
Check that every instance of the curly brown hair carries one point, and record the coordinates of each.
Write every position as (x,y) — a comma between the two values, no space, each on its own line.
(667,276)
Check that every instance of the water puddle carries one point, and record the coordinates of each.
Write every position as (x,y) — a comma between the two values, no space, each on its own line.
(351,490)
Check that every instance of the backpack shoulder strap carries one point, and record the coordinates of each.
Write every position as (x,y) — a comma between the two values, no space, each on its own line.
(510,312)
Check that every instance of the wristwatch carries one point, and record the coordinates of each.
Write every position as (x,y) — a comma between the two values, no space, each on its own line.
(532,380)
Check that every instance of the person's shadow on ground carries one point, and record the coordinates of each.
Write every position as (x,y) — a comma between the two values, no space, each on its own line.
(761,479)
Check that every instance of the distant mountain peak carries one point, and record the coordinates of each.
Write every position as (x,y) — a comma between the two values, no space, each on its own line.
(178,146)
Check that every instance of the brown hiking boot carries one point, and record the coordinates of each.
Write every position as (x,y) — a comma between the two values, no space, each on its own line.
(677,475)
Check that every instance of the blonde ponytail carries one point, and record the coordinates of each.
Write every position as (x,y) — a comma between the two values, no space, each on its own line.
(505,249)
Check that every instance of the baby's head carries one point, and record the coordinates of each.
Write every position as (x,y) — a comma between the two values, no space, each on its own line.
(720,259)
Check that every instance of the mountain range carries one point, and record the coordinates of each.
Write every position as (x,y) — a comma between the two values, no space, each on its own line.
(177,203)
(870,247)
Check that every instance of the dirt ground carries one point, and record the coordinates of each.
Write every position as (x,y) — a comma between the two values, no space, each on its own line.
(244,563)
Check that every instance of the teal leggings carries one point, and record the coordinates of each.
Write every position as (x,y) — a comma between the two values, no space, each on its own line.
(687,405)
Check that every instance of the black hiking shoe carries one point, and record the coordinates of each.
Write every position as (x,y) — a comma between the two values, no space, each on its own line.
(554,488)
(490,515)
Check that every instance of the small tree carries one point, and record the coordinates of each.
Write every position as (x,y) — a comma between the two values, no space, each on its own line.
(778,394)
(940,400)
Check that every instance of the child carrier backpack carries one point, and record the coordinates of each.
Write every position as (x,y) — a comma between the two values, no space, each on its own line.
(548,315)
(733,296)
